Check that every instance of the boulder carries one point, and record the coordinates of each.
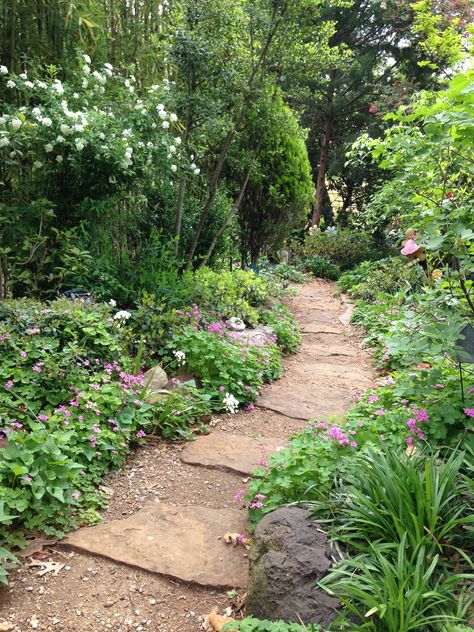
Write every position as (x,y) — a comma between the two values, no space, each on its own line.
(289,555)
(256,336)
(155,379)
(236,324)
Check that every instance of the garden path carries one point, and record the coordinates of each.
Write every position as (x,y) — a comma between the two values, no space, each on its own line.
(159,561)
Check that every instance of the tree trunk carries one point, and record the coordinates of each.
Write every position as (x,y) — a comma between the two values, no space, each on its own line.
(229,217)
(322,169)
(179,212)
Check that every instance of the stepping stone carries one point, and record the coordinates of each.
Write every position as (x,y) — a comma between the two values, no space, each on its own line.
(314,316)
(321,350)
(225,451)
(303,402)
(178,542)
(321,328)
(345,318)
(312,373)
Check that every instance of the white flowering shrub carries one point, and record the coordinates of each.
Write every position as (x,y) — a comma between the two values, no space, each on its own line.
(98,123)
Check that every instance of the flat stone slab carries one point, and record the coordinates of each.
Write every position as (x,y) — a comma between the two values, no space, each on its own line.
(312,373)
(321,328)
(345,318)
(303,402)
(321,349)
(178,542)
(225,451)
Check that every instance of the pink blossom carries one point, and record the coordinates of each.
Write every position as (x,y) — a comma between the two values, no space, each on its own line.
(43,417)
(381,411)
(27,479)
(222,388)
(439,385)
(250,407)
(9,384)
(256,505)
(23,354)
(75,495)
(373,398)
(469,412)
(140,434)
(409,441)
(239,495)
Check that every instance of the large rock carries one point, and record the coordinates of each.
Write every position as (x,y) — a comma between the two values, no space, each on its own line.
(289,555)
(183,543)
(155,379)
(300,401)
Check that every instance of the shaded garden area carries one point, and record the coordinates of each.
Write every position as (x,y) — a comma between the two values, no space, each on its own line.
(173,177)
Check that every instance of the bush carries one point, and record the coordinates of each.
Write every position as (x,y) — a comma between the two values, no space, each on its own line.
(285,327)
(387,276)
(225,363)
(322,267)
(404,521)
(343,247)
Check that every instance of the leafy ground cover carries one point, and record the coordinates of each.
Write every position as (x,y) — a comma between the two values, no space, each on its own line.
(74,394)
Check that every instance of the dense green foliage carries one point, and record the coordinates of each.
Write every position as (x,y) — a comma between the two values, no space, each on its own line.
(250,624)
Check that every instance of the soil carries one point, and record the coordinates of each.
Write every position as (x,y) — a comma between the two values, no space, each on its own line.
(91,593)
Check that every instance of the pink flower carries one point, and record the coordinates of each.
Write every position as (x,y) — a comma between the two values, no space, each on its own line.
(382,437)
(37,368)
(439,385)
(239,495)
(353,444)
(222,388)
(27,479)
(140,434)
(75,495)
(23,354)
(256,505)
(9,384)
(380,412)
(373,398)
(250,407)
(409,441)
(409,248)
(469,412)
(33,330)
(43,417)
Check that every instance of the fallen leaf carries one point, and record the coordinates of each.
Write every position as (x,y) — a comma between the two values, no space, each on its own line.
(47,567)
(214,622)
(5,626)
(107,490)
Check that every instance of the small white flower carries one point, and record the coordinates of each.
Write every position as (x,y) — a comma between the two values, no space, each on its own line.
(37,164)
(86,58)
(41,84)
(180,357)
(48,148)
(108,66)
(160,106)
(162,114)
(59,159)
(78,127)
(85,83)
(172,149)
(11,84)
(36,112)
(58,86)
(16,123)
(122,315)
(65,129)
(197,171)
(23,75)
(177,141)
(3,70)
(165,125)
(4,141)
(231,403)
(29,84)
(80,144)
(112,302)
(60,139)
(173,117)
(46,121)
(174,168)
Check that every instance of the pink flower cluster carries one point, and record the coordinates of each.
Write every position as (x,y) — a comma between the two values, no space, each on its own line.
(336,433)
(420,416)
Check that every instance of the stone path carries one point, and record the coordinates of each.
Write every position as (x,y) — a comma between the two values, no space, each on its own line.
(186,542)
(159,561)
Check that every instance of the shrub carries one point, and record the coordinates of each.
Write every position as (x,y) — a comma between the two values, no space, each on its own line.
(343,247)
(322,267)
(404,519)
(387,276)
(225,363)
(285,327)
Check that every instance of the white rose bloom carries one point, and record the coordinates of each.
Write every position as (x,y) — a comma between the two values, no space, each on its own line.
(174,168)
(37,164)
(162,114)
(59,159)
(165,125)
(3,70)
(16,123)
(11,84)
(48,148)
(4,141)
(173,117)
(46,121)
(86,58)
(122,315)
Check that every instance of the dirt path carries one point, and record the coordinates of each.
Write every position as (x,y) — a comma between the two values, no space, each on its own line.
(92,593)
